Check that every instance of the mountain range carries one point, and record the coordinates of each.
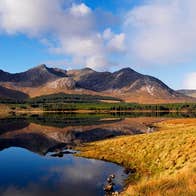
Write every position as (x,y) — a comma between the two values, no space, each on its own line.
(191,93)
(125,84)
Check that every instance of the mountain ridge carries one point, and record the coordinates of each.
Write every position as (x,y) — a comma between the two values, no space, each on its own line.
(125,83)
(188,92)
(33,77)
(6,93)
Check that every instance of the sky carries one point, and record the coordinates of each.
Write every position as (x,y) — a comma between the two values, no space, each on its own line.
(154,37)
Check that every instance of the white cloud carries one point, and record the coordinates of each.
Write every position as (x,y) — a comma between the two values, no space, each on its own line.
(107,34)
(154,33)
(117,43)
(162,31)
(190,81)
(31,17)
(114,42)
(80,10)
(70,29)
(97,61)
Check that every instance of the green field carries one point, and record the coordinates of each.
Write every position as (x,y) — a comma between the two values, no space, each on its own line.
(72,102)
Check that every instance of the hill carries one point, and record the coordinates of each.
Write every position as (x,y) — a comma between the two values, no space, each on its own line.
(33,77)
(125,84)
(6,93)
(191,93)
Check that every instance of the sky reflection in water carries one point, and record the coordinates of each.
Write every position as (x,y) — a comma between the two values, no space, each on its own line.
(24,173)
(27,169)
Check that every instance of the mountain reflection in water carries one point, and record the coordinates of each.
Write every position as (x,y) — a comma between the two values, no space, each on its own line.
(44,133)
(34,134)
(34,157)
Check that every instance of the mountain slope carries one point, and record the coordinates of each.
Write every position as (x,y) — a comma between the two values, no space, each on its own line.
(33,77)
(126,81)
(12,94)
(101,81)
(191,93)
(125,84)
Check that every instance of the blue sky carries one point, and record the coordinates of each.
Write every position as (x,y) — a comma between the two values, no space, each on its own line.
(154,37)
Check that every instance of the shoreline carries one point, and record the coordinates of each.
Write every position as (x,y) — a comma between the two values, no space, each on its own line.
(145,153)
(94,111)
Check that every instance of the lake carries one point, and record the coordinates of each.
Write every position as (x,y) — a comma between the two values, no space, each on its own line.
(35,156)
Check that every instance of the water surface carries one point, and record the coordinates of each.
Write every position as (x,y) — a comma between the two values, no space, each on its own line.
(27,174)
(34,160)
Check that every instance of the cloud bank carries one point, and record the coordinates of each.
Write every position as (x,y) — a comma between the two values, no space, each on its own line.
(157,32)
(74,30)
(190,81)
(162,31)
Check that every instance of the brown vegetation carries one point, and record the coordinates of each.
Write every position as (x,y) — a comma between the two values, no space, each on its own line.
(165,161)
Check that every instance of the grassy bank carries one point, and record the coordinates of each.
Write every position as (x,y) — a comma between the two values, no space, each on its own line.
(99,107)
(165,161)
(80,102)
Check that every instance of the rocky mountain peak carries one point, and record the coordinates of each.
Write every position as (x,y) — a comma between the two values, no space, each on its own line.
(33,77)
(126,70)
(124,82)
(87,69)
(41,67)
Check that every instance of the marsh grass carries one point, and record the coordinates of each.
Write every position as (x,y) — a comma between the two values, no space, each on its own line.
(165,161)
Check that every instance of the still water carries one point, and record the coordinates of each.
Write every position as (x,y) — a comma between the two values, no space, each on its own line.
(34,160)
(24,173)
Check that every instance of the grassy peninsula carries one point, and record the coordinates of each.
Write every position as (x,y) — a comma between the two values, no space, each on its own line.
(165,161)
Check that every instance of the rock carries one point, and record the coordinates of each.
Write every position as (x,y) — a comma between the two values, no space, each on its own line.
(63,83)
(109,187)
(128,170)
(109,180)
(69,152)
(60,154)
(112,176)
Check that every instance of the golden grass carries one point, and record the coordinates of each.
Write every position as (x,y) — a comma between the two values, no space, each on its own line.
(183,183)
(165,161)
(4,110)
